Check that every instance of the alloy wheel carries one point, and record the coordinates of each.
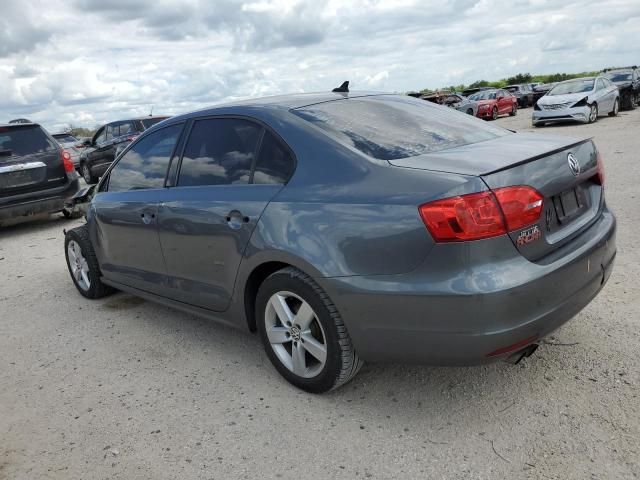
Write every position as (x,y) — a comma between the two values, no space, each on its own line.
(495,113)
(295,334)
(593,113)
(78,264)
(86,173)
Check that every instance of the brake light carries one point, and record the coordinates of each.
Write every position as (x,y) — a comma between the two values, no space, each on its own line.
(66,161)
(465,217)
(600,172)
(482,215)
(521,205)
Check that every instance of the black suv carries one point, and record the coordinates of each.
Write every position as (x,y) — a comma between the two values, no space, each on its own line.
(627,79)
(523,93)
(108,142)
(36,174)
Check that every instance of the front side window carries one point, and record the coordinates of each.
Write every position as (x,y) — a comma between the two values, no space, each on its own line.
(274,163)
(145,165)
(219,151)
(390,127)
(101,135)
(600,84)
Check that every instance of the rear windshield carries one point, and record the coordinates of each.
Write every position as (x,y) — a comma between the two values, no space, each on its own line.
(24,140)
(484,95)
(619,76)
(150,122)
(65,138)
(574,86)
(393,127)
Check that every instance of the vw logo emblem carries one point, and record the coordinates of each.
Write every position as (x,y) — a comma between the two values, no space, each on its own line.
(574,165)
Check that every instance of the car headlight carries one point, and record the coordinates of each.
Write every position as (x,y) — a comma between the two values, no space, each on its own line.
(581,103)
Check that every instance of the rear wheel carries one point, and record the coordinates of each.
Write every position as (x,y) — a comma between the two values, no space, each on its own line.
(303,333)
(83,264)
(593,113)
(616,108)
(87,175)
(494,113)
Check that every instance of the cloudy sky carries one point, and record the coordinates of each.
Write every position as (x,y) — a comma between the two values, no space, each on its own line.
(86,62)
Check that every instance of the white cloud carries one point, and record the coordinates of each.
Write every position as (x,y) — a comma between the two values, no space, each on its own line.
(91,61)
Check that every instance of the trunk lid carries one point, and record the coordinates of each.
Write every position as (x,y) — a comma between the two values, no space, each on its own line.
(572,197)
(29,160)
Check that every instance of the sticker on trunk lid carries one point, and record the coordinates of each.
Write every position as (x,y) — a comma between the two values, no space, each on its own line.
(529,235)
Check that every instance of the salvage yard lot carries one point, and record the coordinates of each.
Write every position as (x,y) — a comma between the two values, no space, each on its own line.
(122,388)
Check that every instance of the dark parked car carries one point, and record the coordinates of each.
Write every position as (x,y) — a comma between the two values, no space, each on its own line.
(470,91)
(541,90)
(495,102)
(108,141)
(36,174)
(523,93)
(71,145)
(346,227)
(628,82)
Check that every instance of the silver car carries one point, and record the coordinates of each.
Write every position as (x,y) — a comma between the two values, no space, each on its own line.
(577,100)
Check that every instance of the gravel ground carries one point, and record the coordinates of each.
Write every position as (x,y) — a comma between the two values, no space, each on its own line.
(122,388)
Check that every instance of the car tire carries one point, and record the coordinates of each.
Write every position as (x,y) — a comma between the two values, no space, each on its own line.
(83,264)
(315,352)
(539,124)
(514,110)
(494,113)
(87,175)
(593,114)
(469,111)
(616,108)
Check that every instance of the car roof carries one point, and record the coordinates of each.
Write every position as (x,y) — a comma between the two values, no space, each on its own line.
(281,102)
(18,125)
(580,78)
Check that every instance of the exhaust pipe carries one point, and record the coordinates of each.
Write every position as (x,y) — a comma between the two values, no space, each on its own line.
(516,357)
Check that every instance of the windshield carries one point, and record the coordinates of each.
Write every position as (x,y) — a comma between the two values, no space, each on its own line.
(150,122)
(24,140)
(390,127)
(485,95)
(619,76)
(577,86)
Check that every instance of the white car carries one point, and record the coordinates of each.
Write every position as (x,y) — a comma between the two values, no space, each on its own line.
(577,100)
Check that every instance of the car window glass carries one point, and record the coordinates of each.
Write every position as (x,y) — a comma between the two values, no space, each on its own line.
(127,128)
(101,135)
(219,151)
(113,131)
(600,84)
(26,140)
(144,166)
(390,127)
(274,163)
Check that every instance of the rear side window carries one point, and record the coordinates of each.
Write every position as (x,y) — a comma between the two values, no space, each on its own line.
(150,122)
(26,140)
(393,127)
(145,165)
(219,151)
(274,163)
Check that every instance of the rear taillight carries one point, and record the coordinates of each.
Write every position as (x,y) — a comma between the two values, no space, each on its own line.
(600,172)
(482,215)
(521,206)
(66,161)
(465,217)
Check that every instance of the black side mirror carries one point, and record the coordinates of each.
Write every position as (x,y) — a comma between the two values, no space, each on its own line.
(87,143)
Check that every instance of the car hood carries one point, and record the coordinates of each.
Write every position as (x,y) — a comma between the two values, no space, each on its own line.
(568,98)
(486,157)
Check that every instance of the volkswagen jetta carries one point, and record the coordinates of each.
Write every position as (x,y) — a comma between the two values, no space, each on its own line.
(351,227)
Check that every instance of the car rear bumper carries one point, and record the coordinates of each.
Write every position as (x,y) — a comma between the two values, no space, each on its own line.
(458,309)
(43,201)
(573,114)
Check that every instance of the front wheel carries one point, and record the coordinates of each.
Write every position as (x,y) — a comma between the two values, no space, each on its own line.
(83,264)
(616,108)
(303,333)
(514,110)
(593,113)
(494,113)
(470,111)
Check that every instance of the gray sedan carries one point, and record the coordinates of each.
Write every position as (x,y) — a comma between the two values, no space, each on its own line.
(346,227)
(577,100)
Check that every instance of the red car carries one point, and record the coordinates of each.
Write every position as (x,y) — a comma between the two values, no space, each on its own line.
(492,103)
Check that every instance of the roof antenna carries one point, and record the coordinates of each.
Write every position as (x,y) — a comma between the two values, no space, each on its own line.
(344,88)
(151,112)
